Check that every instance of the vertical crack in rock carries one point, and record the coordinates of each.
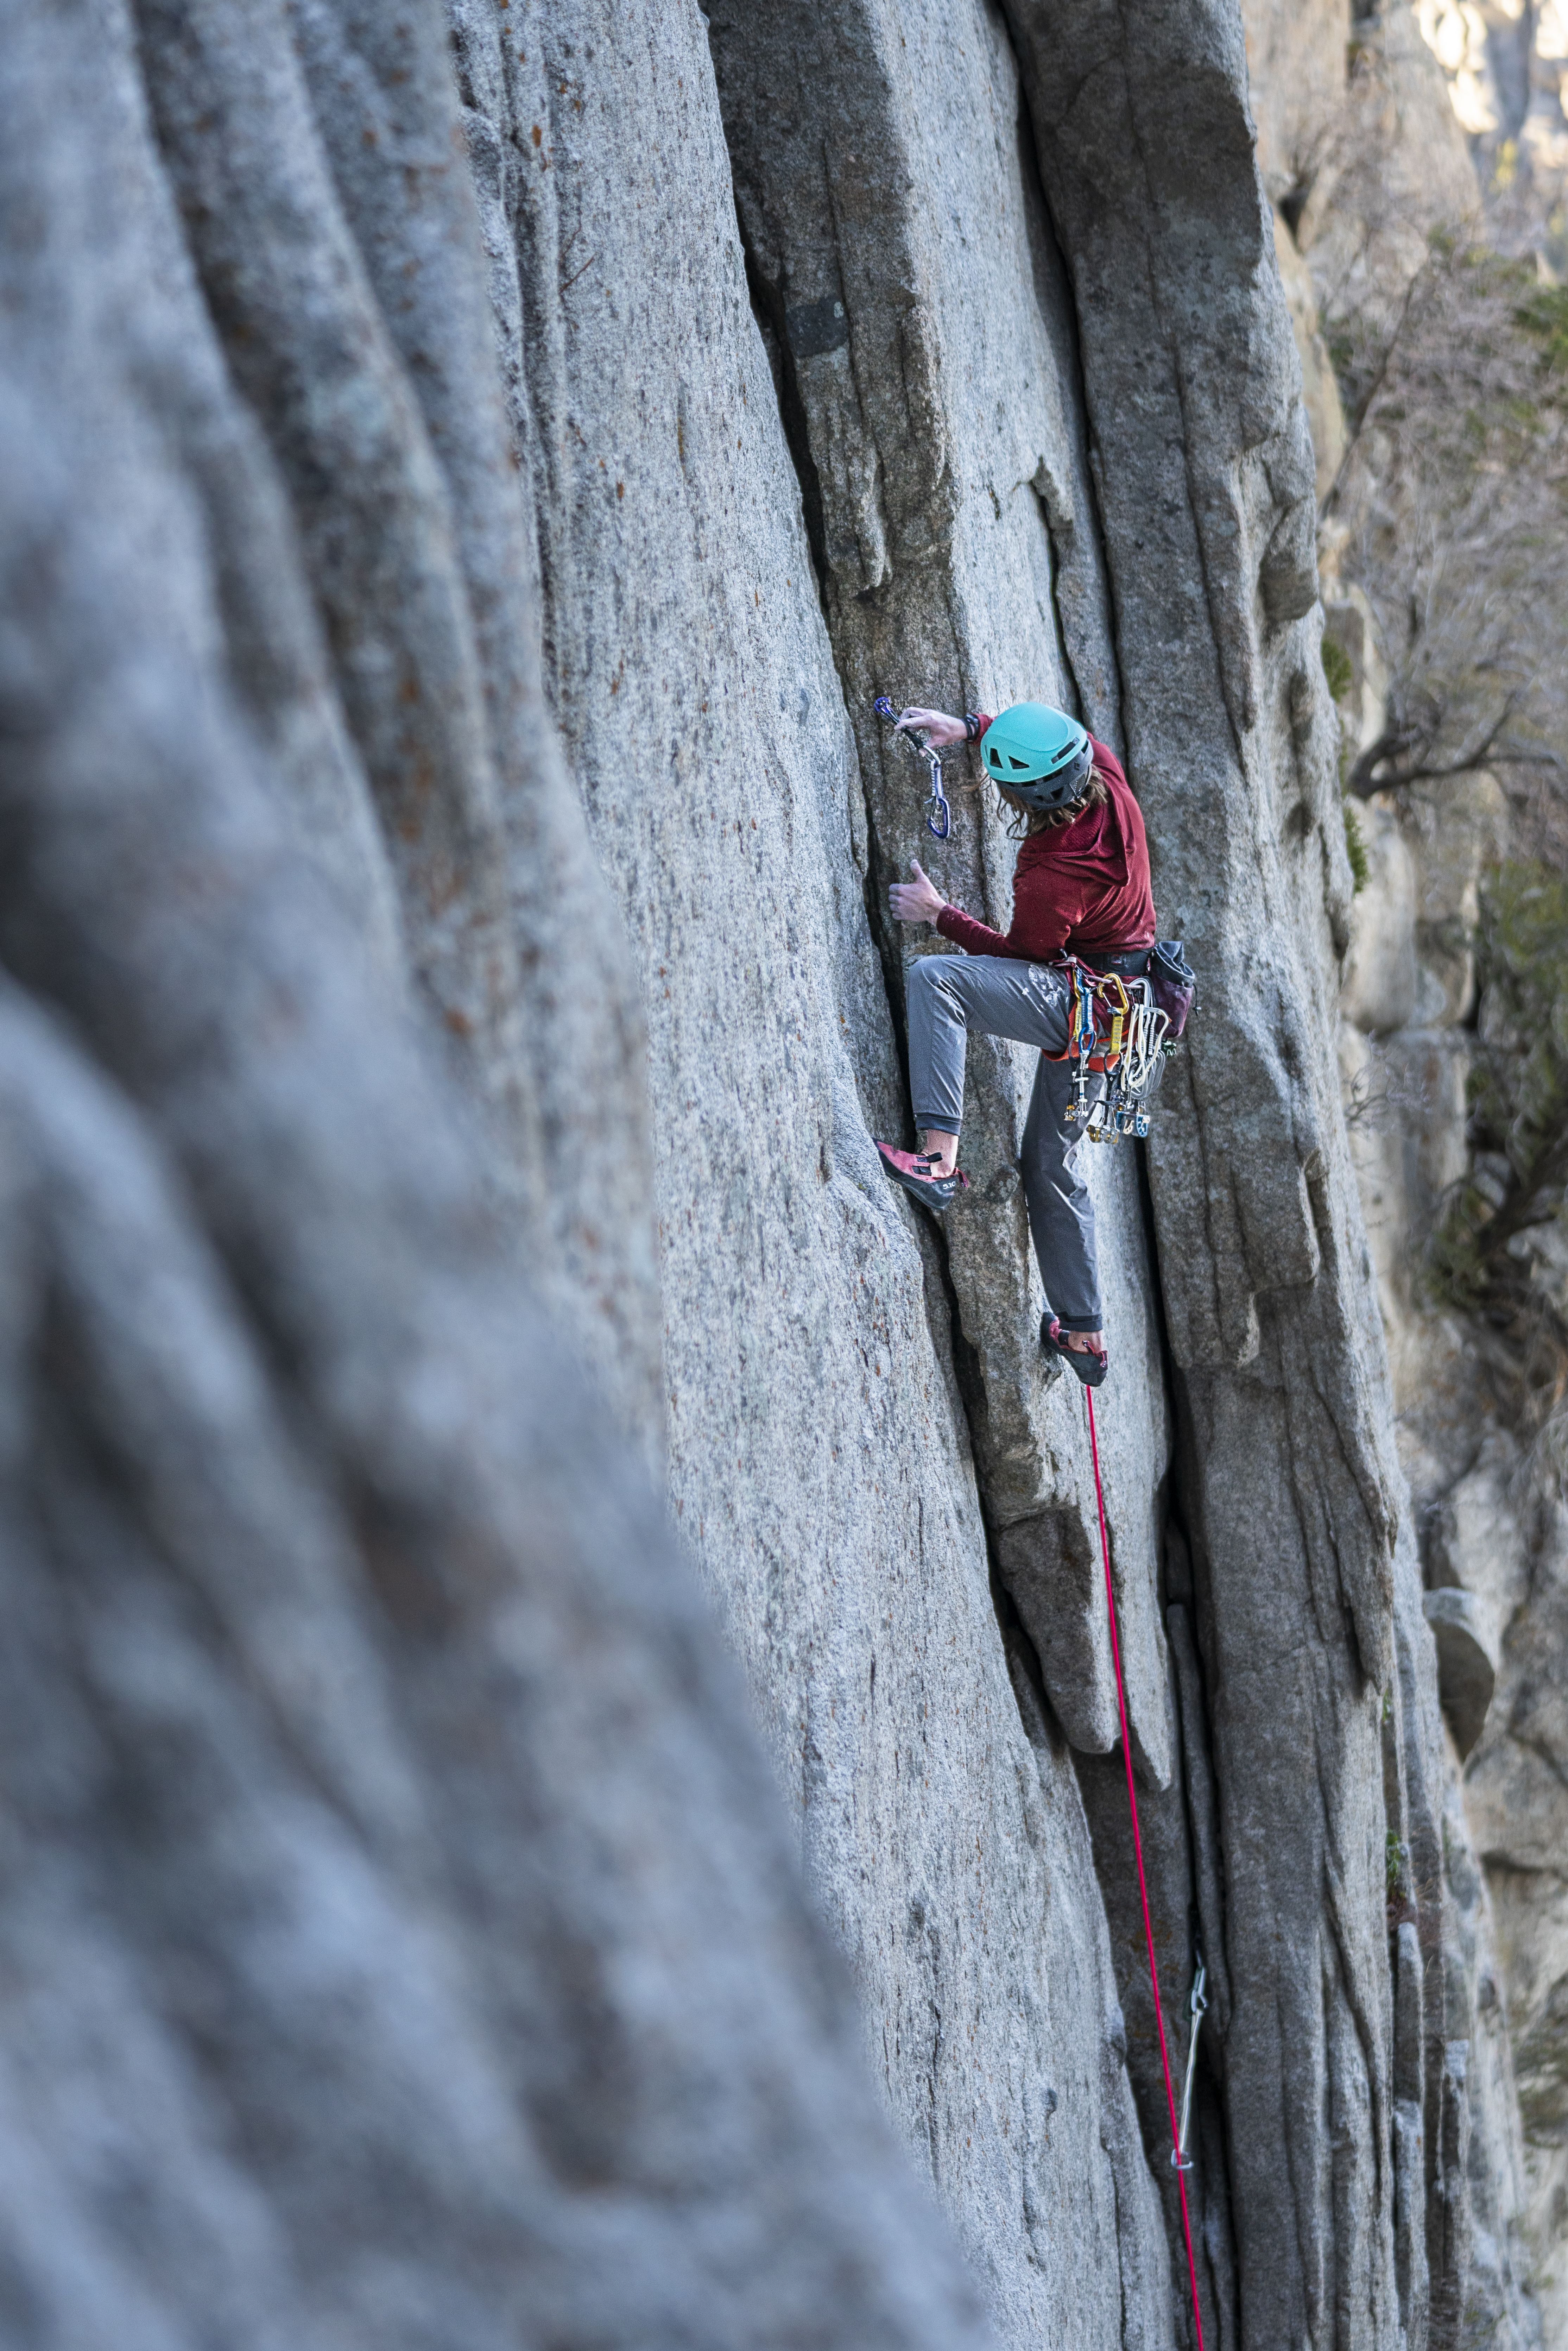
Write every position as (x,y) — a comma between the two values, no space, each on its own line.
(1288,1486)
(1210,2184)
(821,327)
(812,251)
(882,415)
(820,1455)
(768,307)
(1061,535)
(1083,589)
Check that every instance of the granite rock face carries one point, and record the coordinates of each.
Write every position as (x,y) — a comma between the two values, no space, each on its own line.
(822,1461)
(1031,365)
(1487,1562)
(1490,1555)
(368,1745)
(1361,149)
(477,473)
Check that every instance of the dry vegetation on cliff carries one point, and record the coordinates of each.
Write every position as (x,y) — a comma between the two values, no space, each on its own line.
(1453,499)
(1448,512)
(1434,260)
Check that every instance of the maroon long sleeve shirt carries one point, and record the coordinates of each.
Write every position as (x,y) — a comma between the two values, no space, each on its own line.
(1081,889)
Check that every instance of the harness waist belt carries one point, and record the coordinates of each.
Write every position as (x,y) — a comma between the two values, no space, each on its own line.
(1128,962)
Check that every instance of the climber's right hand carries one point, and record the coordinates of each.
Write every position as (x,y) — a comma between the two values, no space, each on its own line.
(937,724)
(919,901)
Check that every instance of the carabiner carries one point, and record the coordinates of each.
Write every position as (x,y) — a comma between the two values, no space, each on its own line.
(938,814)
(1197,2009)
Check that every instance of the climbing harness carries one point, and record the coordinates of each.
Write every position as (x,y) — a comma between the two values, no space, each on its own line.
(1197,2009)
(1178,2132)
(1122,1030)
(1115,1031)
(939,815)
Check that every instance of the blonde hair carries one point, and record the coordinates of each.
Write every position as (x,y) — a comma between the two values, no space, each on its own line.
(1027,820)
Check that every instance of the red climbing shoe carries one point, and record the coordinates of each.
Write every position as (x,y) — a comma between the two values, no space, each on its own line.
(913,1170)
(1089,1364)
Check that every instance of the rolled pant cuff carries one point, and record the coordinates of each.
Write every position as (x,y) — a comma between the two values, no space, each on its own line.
(942,1125)
(1077,1323)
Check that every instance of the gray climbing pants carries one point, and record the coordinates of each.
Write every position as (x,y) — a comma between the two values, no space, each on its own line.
(1031,1003)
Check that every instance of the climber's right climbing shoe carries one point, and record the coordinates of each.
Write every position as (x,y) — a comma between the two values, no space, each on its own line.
(914,1171)
(1087,1361)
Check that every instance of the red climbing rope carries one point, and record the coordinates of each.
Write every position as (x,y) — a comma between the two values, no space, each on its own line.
(1138,1849)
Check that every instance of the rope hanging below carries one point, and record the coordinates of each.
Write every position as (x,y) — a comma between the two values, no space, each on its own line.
(1176,2134)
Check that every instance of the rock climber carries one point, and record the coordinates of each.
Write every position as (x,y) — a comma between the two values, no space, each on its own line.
(1081,887)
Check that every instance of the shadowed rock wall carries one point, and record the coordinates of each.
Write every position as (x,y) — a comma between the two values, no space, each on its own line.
(412,1853)
(821,1457)
(1362,150)
(1032,363)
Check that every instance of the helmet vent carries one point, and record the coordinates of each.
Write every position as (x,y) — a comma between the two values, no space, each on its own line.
(1015,763)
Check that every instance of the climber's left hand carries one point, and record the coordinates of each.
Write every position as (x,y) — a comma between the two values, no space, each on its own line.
(939,727)
(919,901)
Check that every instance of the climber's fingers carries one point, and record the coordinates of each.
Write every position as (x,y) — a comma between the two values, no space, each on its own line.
(939,726)
(919,901)
(919,871)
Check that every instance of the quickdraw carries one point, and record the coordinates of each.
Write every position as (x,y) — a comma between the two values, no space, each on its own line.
(1196,2009)
(1118,1033)
(938,814)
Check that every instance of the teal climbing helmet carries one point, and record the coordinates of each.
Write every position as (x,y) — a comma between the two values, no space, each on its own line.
(1039,755)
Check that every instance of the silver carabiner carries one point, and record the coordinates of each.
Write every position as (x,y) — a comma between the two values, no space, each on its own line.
(1197,2009)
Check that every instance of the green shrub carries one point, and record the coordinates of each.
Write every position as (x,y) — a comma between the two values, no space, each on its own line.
(1338,669)
(1356,848)
(1480,1261)
(1544,315)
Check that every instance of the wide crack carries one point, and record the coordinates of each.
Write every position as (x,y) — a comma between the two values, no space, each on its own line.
(1040,1725)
